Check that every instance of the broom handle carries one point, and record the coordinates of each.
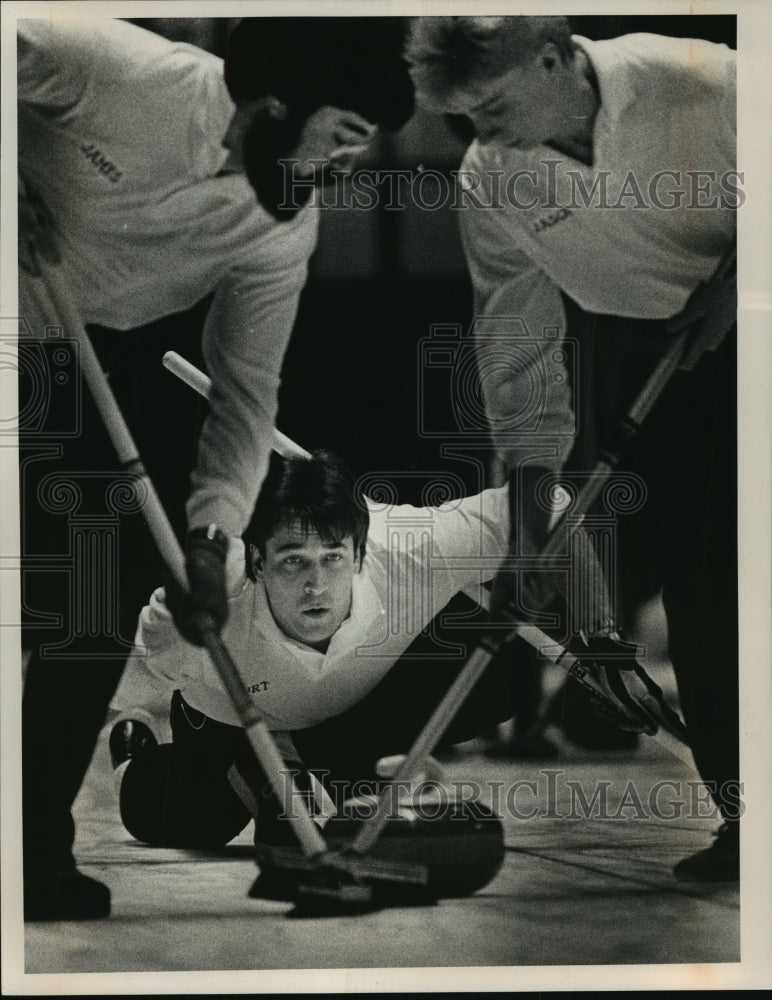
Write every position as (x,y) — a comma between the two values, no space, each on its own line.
(258,734)
(116,427)
(481,657)
(202,384)
(473,669)
(426,741)
(452,701)
(263,744)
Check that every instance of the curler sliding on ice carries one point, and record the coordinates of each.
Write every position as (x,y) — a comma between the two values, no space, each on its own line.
(602,668)
(296,629)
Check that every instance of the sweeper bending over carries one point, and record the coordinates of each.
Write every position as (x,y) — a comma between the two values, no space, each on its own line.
(150,177)
(606,171)
(326,593)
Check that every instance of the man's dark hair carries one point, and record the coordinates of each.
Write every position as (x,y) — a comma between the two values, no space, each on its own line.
(267,143)
(353,63)
(319,493)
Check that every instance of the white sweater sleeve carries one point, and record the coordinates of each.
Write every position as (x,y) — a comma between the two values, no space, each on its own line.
(519,328)
(470,537)
(161,659)
(52,65)
(157,660)
(430,554)
(245,339)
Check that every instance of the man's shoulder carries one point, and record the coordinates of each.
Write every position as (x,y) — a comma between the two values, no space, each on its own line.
(144,55)
(644,55)
(414,528)
(257,238)
(119,53)
(104,38)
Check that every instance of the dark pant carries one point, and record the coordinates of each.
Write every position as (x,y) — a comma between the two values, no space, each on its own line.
(88,564)
(179,795)
(684,538)
(687,456)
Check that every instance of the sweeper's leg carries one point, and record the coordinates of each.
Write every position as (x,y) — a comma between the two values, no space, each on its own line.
(688,455)
(81,595)
(88,565)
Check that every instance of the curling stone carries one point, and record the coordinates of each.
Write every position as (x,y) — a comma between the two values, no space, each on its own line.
(460,843)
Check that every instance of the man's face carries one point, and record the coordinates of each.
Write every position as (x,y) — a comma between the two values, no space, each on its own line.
(520,109)
(308,583)
(334,136)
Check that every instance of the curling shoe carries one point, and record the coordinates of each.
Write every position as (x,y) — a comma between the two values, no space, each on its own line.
(128,737)
(67,896)
(429,780)
(718,863)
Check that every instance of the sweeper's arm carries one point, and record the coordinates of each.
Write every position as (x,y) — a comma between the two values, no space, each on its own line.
(710,312)
(602,662)
(525,361)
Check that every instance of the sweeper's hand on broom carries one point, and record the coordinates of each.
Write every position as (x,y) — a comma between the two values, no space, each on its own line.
(528,580)
(609,669)
(710,312)
(603,664)
(599,659)
(207,598)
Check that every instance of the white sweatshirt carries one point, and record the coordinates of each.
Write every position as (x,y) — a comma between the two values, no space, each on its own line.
(120,132)
(616,236)
(417,559)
